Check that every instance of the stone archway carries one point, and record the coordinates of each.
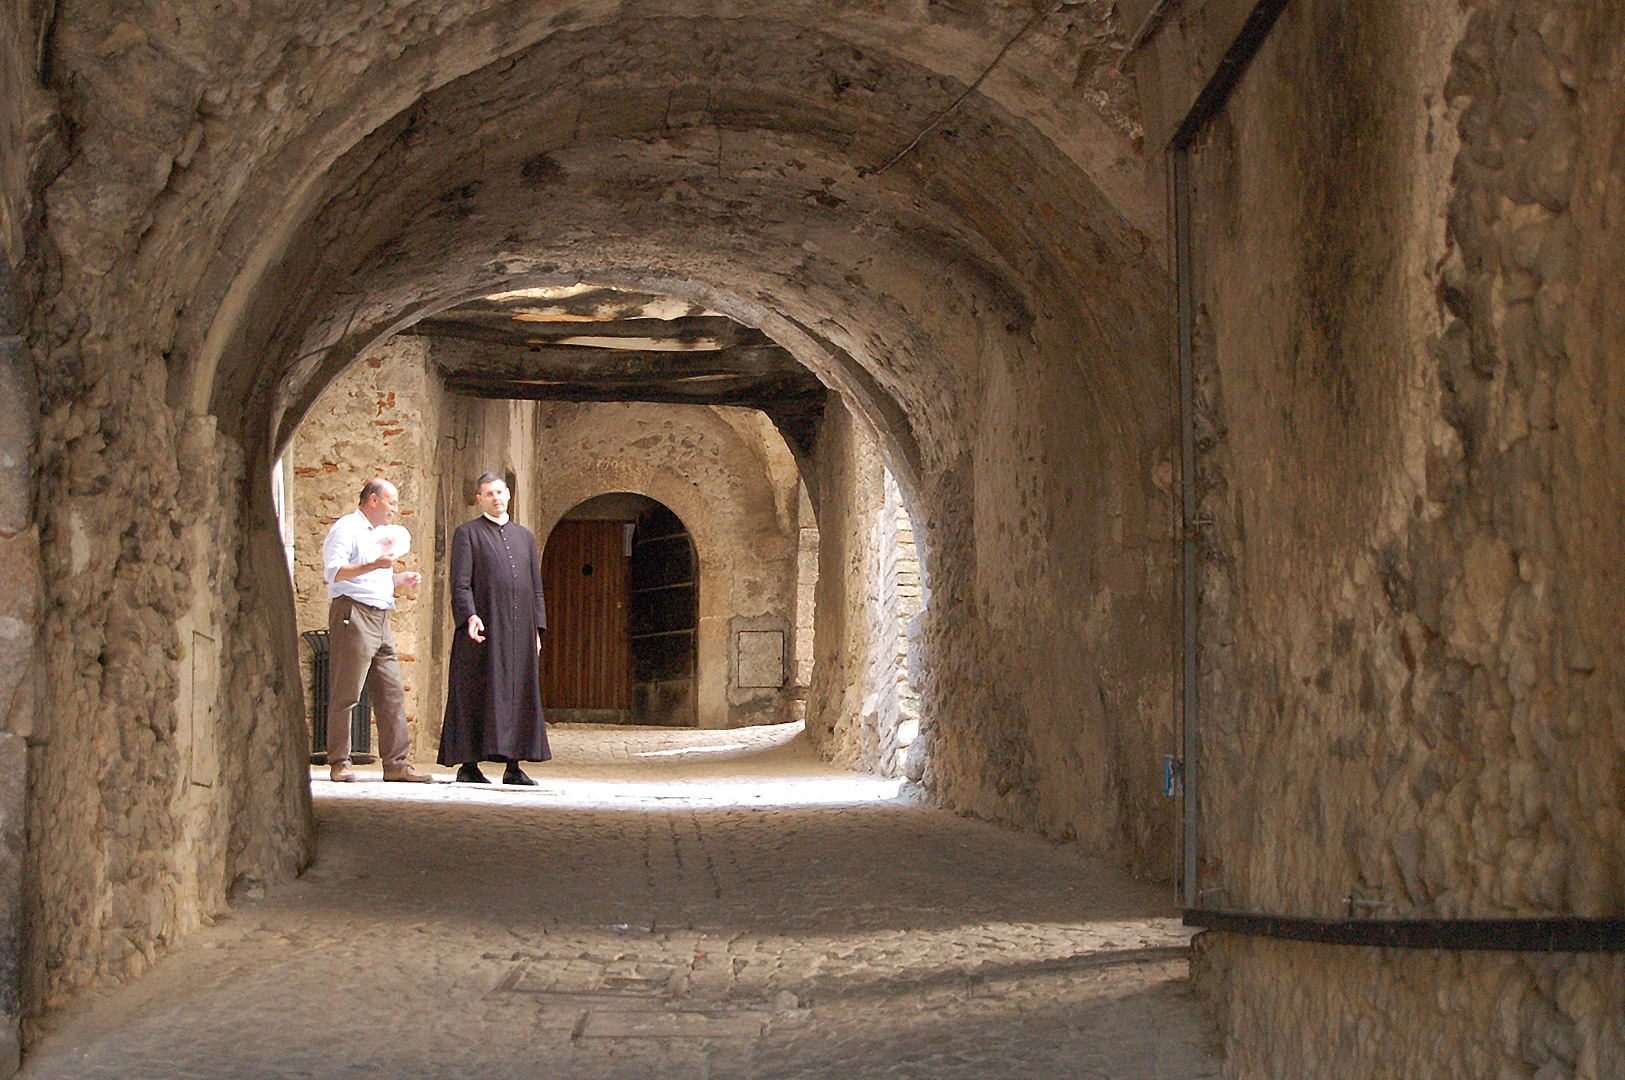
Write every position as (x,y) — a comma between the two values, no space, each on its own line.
(707,466)
(1399,463)
(621,577)
(937,292)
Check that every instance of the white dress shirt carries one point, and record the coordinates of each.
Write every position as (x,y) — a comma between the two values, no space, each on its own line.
(348,542)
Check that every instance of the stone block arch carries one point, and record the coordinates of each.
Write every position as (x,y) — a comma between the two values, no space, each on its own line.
(739,510)
(991,304)
(952,213)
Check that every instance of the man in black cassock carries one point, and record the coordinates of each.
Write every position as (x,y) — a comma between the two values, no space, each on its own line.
(493,693)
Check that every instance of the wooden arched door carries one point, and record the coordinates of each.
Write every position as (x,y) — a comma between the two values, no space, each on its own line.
(620,576)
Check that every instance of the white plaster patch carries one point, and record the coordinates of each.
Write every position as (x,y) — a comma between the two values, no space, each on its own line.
(78,543)
(761,658)
(13,629)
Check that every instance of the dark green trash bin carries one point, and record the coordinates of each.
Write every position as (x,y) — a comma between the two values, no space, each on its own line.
(360,716)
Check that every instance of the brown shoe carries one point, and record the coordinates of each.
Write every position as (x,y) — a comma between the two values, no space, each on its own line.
(342,773)
(405,774)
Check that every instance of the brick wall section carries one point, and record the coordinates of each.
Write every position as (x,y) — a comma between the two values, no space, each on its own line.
(380,418)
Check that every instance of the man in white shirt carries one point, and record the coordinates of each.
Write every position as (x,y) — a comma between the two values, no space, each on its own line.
(361,646)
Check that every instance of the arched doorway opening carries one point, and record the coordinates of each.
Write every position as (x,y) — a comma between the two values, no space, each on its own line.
(621,579)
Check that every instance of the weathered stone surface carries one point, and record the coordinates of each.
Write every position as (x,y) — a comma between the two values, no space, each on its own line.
(168,777)
(862,709)
(28,140)
(13,807)
(760,662)
(1406,561)
(1409,331)
(19,418)
(253,200)
(728,475)
(850,480)
(19,646)
(1412,1012)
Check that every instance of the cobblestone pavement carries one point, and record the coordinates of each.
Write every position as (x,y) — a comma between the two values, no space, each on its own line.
(671,904)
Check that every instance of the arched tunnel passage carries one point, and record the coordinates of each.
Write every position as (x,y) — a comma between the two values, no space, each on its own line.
(1397,288)
(988,311)
(1026,429)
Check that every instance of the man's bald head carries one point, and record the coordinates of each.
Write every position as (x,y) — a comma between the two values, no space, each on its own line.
(379,500)
(376,486)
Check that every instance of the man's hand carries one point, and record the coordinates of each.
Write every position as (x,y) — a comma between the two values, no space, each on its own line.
(409,578)
(476,628)
(355,570)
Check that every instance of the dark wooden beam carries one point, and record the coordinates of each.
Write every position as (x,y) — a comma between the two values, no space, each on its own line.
(568,362)
(755,393)
(504,328)
(485,348)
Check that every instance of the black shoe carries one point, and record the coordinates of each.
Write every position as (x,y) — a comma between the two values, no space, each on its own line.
(469,773)
(513,774)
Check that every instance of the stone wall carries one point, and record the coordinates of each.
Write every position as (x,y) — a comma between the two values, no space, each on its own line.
(163,776)
(727,473)
(249,201)
(1049,645)
(850,493)
(174,771)
(380,418)
(24,113)
(907,588)
(862,711)
(1291,1010)
(1407,240)
(167,771)
(30,139)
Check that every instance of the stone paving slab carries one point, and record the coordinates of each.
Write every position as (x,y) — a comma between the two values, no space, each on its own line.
(670,904)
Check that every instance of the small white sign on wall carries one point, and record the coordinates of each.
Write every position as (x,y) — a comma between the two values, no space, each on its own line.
(761,658)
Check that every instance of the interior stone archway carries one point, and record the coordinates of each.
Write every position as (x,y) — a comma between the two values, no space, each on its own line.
(976,276)
(1395,313)
(920,293)
(712,477)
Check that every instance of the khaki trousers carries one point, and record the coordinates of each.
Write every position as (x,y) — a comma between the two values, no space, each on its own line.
(361,650)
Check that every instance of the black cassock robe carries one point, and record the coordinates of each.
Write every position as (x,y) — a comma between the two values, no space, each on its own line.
(493,692)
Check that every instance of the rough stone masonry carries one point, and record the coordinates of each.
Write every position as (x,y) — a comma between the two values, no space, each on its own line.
(1408,340)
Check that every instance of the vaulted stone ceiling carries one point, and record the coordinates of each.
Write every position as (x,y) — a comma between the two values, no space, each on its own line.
(941,210)
(820,175)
